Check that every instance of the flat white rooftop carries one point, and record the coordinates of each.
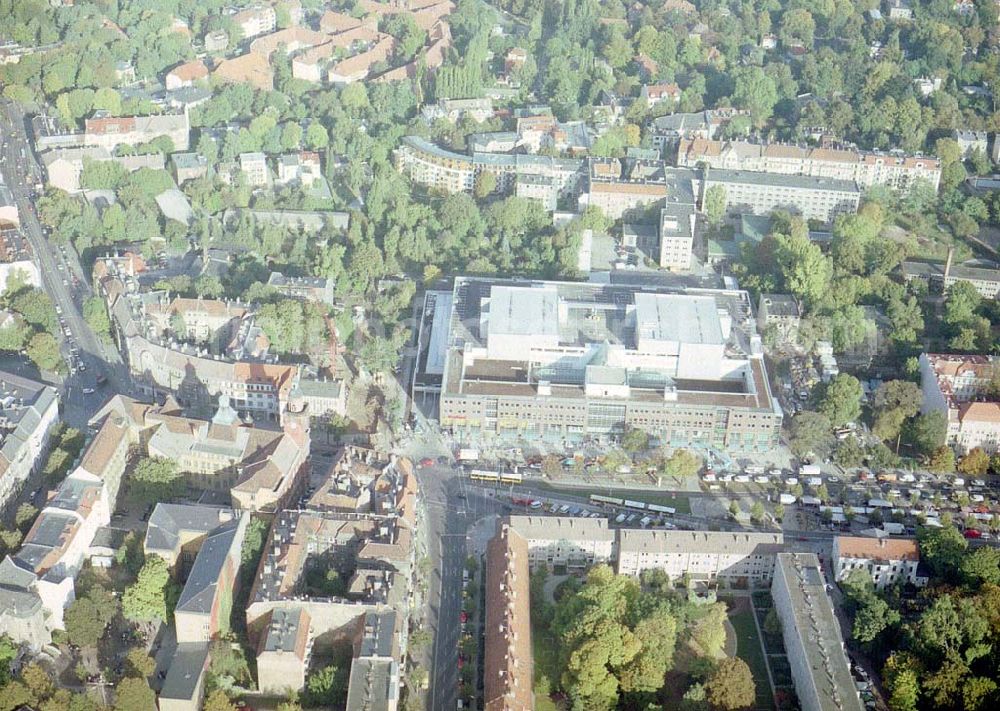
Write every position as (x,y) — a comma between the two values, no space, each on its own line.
(524,311)
(679,318)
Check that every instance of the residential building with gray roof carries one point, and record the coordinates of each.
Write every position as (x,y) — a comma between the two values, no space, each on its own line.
(175,531)
(815,646)
(812,197)
(205,604)
(28,412)
(707,556)
(284,651)
(184,687)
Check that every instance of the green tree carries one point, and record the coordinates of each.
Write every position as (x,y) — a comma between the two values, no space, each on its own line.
(942,549)
(708,633)
(961,305)
(841,402)
(139,663)
(715,204)
(755,91)
(927,432)
(95,313)
(153,595)
(134,695)
(895,401)
(291,136)
(757,511)
(872,619)
(975,462)
(811,433)
(8,653)
(155,479)
(797,27)
(326,687)
(942,460)
(805,270)
(218,701)
(88,617)
(25,516)
(484,185)
(43,350)
(606,645)
(37,680)
(981,566)
(15,695)
(731,685)
(316,136)
(37,309)
(849,453)
(682,463)
(635,440)
(904,690)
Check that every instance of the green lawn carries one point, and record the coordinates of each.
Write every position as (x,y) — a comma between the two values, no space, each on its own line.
(543,647)
(678,501)
(749,650)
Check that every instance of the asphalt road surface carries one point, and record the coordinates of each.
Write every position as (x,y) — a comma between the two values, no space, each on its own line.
(452,508)
(63,277)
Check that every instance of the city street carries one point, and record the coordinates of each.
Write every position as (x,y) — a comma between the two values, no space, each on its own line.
(452,508)
(22,174)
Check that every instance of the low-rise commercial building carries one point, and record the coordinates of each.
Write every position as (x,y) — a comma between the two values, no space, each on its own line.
(813,642)
(887,560)
(739,559)
(762,193)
